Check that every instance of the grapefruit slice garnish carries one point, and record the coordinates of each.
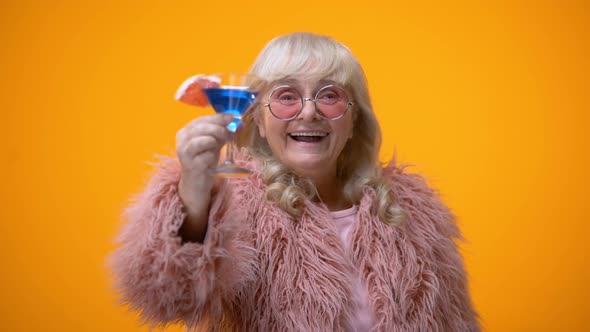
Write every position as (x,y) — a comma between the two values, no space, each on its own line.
(191,90)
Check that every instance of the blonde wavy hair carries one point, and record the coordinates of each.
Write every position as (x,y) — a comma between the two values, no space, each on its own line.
(315,57)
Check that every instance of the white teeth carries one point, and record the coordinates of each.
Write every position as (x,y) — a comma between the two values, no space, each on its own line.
(309,134)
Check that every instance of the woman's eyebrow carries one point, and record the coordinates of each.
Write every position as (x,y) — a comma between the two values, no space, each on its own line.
(326,82)
(297,83)
(289,81)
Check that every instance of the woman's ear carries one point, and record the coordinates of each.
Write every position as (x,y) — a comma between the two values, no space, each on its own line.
(259,123)
(354,120)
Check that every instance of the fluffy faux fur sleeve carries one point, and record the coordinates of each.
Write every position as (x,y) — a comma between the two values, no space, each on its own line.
(433,287)
(168,281)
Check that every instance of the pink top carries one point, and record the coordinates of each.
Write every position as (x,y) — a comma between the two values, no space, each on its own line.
(363,318)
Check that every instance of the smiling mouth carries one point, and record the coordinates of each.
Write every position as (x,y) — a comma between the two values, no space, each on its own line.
(308,137)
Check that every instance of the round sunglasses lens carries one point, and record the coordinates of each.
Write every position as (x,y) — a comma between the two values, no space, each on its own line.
(285,102)
(331,101)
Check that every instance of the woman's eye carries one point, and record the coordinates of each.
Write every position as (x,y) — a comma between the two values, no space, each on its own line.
(286,97)
(329,97)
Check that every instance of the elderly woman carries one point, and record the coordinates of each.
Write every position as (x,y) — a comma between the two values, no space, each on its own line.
(319,237)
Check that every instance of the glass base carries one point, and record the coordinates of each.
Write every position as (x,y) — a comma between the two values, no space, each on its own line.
(231,171)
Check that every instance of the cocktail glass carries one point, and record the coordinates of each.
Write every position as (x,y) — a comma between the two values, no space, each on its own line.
(229,93)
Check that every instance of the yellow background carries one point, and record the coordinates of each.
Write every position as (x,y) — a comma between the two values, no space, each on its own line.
(489,100)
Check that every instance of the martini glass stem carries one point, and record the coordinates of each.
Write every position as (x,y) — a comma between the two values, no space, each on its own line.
(229,153)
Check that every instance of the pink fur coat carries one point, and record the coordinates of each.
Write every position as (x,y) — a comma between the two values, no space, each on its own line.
(261,270)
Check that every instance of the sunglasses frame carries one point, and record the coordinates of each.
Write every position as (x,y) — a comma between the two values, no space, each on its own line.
(314,100)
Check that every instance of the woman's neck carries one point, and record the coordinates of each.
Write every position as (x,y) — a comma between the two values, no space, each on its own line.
(330,192)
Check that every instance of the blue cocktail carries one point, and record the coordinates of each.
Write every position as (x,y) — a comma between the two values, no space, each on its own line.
(231,100)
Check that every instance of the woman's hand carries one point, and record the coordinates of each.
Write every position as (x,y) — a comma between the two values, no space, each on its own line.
(197,146)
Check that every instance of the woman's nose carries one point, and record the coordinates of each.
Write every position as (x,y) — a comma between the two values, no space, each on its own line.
(308,112)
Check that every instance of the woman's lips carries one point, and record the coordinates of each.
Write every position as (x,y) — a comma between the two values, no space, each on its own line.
(308,136)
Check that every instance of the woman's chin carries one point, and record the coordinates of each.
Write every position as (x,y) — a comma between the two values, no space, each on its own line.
(313,168)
